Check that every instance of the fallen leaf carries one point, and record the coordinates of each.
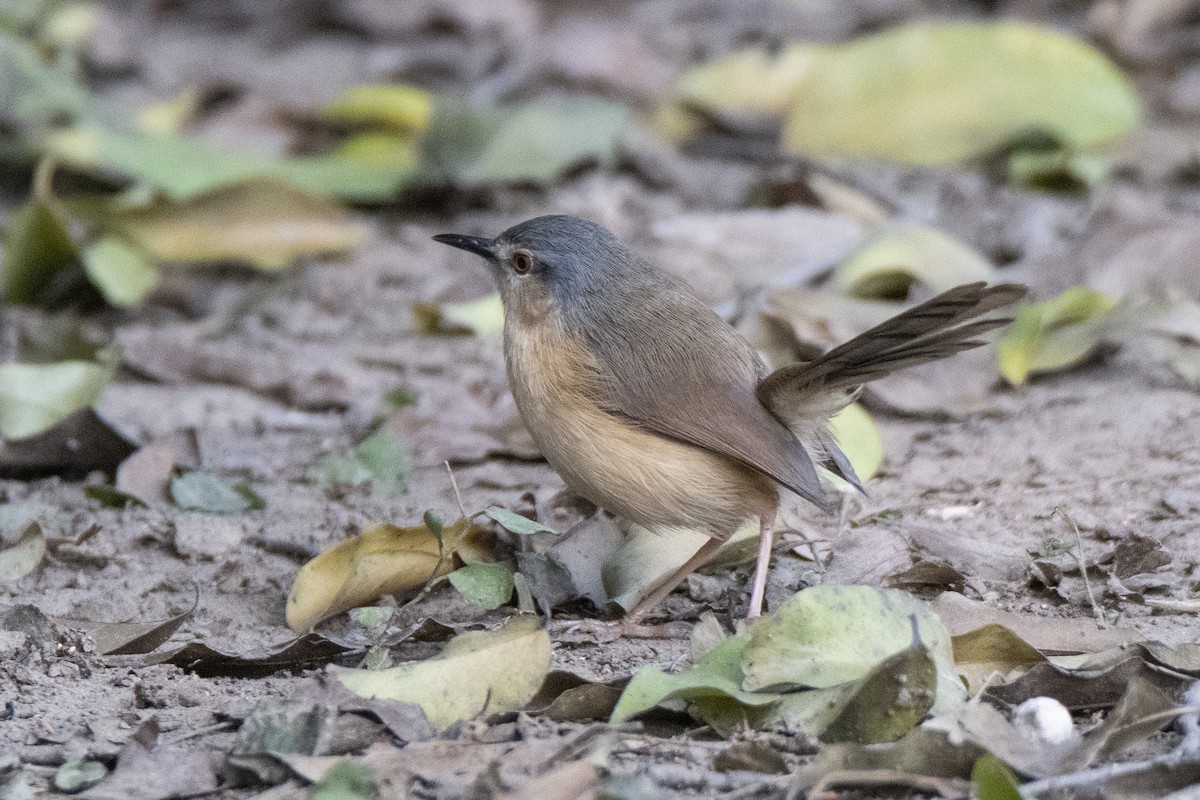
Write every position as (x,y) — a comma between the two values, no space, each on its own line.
(993,780)
(123,273)
(804,642)
(200,491)
(80,444)
(35,397)
(950,90)
(981,654)
(903,254)
(486,585)
(130,638)
(482,317)
(397,107)
(79,774)
(348,780)
(1048,635)
(202,660)
(858,437)
(278,727)
(146,475)
(890,701)
(22,556)
(717,675)
(381,560)
(155,772)
(1054,334)
(477,673)
(516,523)
(262,221)
(533,142)
(750,757)
(37,248)
(380,460)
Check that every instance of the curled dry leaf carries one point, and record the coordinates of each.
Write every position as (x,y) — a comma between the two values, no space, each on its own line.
(381,560)
(477,673)
(903,254)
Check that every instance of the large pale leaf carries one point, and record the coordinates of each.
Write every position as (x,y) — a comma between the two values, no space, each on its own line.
(264,221)
(805,643)
(903,254)
(718,674)
(932,93)
(481,672)
(1054,334)
(35,397)
(22,556)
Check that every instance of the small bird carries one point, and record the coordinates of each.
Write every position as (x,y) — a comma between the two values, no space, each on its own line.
(654,408)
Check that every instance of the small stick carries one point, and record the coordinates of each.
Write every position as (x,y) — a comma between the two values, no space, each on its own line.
(1082,562)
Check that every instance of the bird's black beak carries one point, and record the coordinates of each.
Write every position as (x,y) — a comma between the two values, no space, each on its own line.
(472,244)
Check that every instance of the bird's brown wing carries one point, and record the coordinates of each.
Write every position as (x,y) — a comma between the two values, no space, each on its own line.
(674,367)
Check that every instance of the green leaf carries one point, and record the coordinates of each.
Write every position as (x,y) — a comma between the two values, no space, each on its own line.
(856,435)
(805,643)
(121,272)
(75,776)
(993,780)
(379,460)
(199,491)
(482,317)
(718,675)
(36,248)
(35,397)
(185,167)
(893,699)
(396,107)
(265,222)
(478,673)
(112,497)
(902,254)
(535,142)
(516,523)
(1054,334)
(346,780)
(486,585)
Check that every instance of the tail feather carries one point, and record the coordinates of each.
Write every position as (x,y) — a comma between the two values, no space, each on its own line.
(803,396)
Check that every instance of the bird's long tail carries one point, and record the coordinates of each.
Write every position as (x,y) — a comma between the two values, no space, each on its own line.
(806,394)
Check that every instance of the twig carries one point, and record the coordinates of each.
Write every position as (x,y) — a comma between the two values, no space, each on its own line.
(1177,606)
(216,727)
(1082,563)
(454,486)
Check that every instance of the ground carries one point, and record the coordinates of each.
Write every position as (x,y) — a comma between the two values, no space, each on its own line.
(271,373)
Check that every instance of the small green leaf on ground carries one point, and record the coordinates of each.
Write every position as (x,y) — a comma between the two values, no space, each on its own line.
(513,522)
(1054,334)
(718,675)
(35,397)
(380,460)
(893,699)
(482,317)
(22,556)
(993,780)
(903,254)
(122,273)
(347,780)
(199,491)
(486,585)
(478,673)
(111,497)
(36,248)
(75,776)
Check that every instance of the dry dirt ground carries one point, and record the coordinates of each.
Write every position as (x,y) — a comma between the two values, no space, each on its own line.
(271,374)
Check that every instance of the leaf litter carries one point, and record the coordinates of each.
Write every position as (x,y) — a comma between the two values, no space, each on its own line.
(1054,648)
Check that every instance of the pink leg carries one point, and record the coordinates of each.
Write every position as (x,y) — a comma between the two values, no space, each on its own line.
(761,565)
(668,584)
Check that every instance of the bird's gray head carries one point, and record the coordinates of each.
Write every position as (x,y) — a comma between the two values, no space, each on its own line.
(552,263)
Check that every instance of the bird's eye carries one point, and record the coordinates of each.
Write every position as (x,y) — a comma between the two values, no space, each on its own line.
(522,262)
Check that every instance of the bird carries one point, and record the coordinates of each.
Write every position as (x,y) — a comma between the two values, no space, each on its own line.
(650,405)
